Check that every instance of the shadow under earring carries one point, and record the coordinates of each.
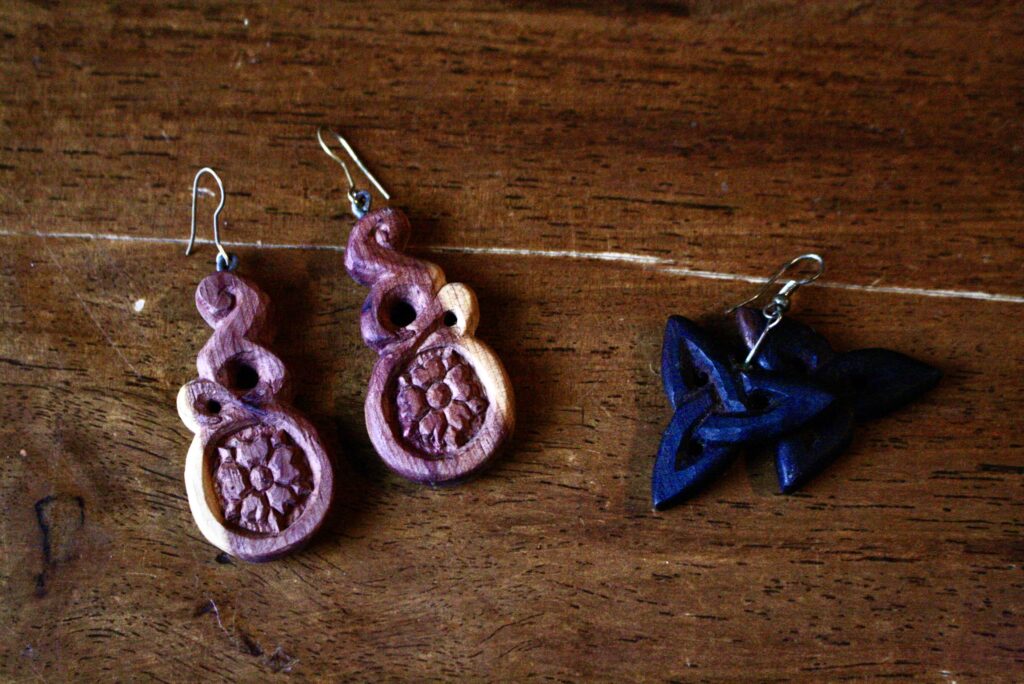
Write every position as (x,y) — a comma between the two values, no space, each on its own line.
(790,393)
(439,404)
(259,482)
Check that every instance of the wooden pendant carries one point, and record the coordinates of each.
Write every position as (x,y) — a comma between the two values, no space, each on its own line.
(259,482)
(720,409)
(867,383)
(800,400)
(439,403)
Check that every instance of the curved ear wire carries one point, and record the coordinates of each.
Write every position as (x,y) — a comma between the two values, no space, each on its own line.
(359,200)
(781,302)
(225,261)
(791,286)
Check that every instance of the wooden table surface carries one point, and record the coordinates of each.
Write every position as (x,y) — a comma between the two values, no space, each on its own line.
(589,170)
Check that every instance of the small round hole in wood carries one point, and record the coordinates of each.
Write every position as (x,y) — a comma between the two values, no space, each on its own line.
(240,376)
(450,318)
(212,407)
(401,313)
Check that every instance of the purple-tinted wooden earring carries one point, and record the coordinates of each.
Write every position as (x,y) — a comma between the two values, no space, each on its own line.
(790,393)
(439,404)
(258,479)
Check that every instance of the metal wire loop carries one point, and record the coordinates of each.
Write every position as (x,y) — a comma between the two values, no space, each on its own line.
(360,200)
(791,286)
(782,300)
(224,259)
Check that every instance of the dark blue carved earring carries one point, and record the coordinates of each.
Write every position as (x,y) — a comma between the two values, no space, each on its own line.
(791,393)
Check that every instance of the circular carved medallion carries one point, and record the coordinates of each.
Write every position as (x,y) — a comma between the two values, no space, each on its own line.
(262,479)
(441,402)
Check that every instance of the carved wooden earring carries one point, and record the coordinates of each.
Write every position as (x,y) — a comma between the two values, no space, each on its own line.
(791,394)
(439,404)
(258,480)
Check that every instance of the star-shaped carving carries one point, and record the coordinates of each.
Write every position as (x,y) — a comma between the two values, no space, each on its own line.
(719,408)
(867,383)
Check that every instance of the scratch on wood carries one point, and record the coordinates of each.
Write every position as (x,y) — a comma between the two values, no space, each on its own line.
(88,312)
(278,660)
(661,264)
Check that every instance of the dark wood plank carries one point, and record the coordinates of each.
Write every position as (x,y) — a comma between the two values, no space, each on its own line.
(747,129)
(724,136)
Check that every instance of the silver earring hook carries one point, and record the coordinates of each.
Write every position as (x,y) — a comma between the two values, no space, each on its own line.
(224,260)
(782,300)
(359,199)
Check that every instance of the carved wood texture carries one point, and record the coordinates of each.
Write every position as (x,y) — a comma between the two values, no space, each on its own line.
(439,405)
(259,482)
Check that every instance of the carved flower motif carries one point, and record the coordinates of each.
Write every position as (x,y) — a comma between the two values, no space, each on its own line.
(262,479)
(441,404)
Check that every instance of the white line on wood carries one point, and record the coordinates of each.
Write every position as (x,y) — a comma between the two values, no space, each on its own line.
(661,264)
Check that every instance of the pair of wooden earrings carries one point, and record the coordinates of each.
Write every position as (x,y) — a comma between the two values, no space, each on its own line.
(438,407)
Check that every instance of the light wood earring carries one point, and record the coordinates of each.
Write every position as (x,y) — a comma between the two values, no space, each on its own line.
(259,482)
(439,404)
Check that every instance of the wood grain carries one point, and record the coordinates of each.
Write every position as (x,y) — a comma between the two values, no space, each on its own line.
(526,143)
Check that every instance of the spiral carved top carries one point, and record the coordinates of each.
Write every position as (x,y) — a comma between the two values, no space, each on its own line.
(235,356)
(439,405)
(258,480)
